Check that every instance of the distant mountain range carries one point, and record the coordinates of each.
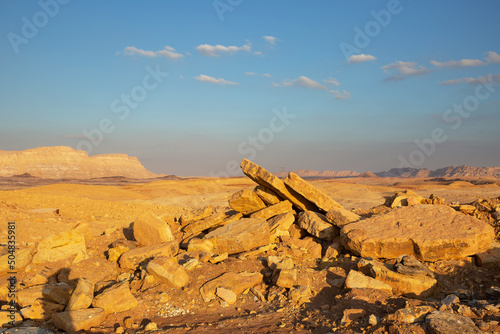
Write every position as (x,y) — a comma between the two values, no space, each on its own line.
(452,171)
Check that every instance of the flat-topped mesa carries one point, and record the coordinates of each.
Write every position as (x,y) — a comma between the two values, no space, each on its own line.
(65,162)
(268,180)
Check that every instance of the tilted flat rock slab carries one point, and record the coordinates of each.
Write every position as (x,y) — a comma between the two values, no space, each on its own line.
(310,192)
(429,232)
(272,182)
(273,210)
(240,236)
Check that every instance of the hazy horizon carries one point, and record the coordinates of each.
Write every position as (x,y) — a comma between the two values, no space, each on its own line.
(194,89)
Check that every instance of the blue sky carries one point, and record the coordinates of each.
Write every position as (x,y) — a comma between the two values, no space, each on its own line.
(190,88)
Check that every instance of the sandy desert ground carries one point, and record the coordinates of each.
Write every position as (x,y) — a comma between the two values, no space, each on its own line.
(103,213)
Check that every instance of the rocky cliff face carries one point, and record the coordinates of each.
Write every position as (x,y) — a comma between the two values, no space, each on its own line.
(65,162)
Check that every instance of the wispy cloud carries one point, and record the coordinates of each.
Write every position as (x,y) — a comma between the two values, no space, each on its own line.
(360,58)
(459,63)
(332,81)
(220,81)
(489,78)
(344,95)
(270,39)
(492,58)
(217,50)
(267,75)
(403,70)
(302,81)
(167,52)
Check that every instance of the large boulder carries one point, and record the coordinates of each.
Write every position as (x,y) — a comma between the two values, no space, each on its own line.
(74,321)
(429,232)
(310,192)
(246,202)
(62,246)
(411,286)
(240,236)
(316,224)
(272,182)
(204,224)
(141,255)
(151,230)
(117,298)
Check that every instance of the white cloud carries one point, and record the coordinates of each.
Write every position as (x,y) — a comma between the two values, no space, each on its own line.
(301,81)
(167,52)
(220,81)
(489,78)
(332,81)
(217,50)
(493,57)
(270,39)
(459,63)
(267,75)
(403,70)
(360,58)
(258,53)
(345,95)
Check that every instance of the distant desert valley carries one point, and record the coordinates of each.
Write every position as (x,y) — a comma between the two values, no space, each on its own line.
(99,244)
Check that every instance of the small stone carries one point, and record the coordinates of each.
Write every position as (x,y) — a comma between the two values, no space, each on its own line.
(82,296)
(166,269)
(373,320)
(228,296)
(350,315)
(151,326)
(128,322)
(287,278)
(119,330)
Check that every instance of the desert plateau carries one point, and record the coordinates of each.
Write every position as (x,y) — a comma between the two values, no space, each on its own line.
(250,254)
(249,166)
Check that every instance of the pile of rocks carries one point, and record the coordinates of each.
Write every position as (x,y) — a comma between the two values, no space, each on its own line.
(291,216)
